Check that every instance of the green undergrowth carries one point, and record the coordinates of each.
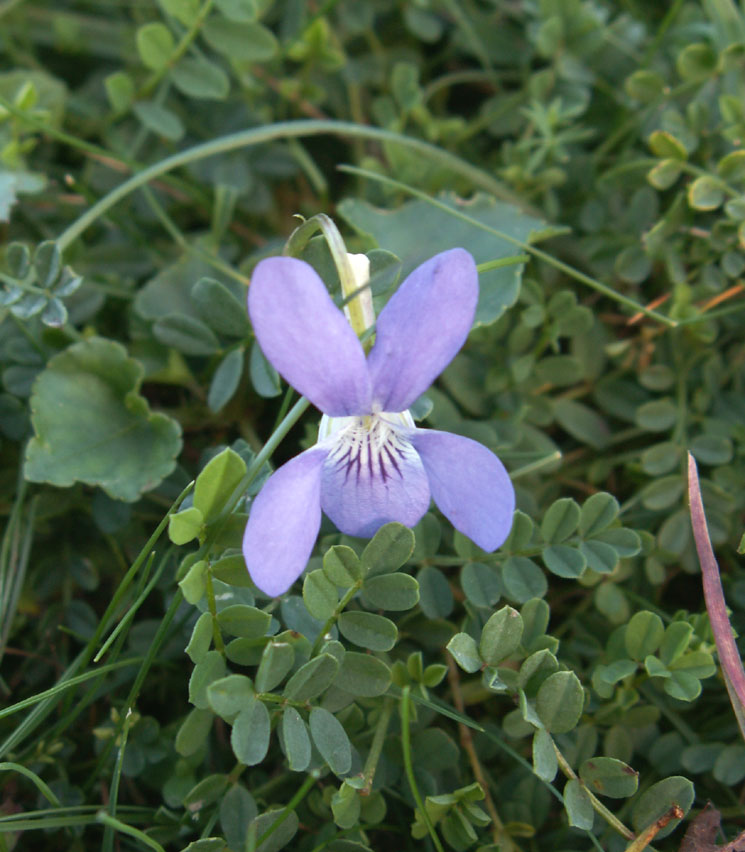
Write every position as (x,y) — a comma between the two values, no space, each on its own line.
(411,691)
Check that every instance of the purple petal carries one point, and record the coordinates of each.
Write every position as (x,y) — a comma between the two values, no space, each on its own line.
(307,338)
(469,485)
(371,478)
(424,324)
(284,521)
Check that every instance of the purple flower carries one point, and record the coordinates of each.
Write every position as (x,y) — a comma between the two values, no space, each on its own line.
(371,464)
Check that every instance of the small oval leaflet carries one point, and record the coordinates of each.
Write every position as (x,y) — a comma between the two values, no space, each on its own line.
(331,740)
(251,733)
(296,740)
(608,776)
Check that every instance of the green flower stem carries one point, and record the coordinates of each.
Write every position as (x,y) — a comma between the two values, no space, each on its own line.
(273,698)
(108,834)
(118,825)
(536,252)
(306,787)
(409,767)
(131,612)
(376,747)
(212,605)
(42,786)
(502,262)
(331,620)
(597,805)
(179,50)
(269,133)
(290,419)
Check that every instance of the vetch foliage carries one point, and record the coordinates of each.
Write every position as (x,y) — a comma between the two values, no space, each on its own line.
(418,686)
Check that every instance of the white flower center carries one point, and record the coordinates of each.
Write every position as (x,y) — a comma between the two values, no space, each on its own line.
(374,445)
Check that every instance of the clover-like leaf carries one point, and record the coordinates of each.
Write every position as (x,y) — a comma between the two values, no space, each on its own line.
(91,424)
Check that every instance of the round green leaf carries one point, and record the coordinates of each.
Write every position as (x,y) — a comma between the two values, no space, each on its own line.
(185,525)
(279,838)
(186,334)
(244,620)
(480,584)
(645,86)
(217,482)
(664,174)
(155,45)
(264,377)
(250,42)
(658,800)
(523,579)
(312,678)
(320,595)
(201,638)
(92,426)
(432,229)
(545,761)
(564,561)
(578,805)
(200,78)
(251,733)
(663,492)
(466,652)
(159,120)
(601,557)
(209,669)
(729,767)
(388,550)
(296,740)
(363,675)
(277,660)
(664,144)
(193,732)
(598,512)
(368,630)
(225,379)
(229,695)
(342,566)
(237,810)
(435,597)
(219,308)
(331,740)
(712,449)
(501,635)
(560,521)
(643,635)
(392,592)
(560,701)
(609,777)
(706,193)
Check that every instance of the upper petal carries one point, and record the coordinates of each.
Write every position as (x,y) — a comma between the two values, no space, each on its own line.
(307,338)
(469,484)
(284,522)
(424,324)
(373,477)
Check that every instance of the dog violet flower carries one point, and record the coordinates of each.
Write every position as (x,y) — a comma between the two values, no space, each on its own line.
(371,464)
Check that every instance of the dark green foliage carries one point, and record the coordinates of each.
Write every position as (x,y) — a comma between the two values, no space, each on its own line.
(410,692)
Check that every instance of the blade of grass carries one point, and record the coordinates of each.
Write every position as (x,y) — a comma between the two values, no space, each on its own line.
(596,285)
(268,133)
(61,686)
(409,766)
(42,786)
(122,827)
